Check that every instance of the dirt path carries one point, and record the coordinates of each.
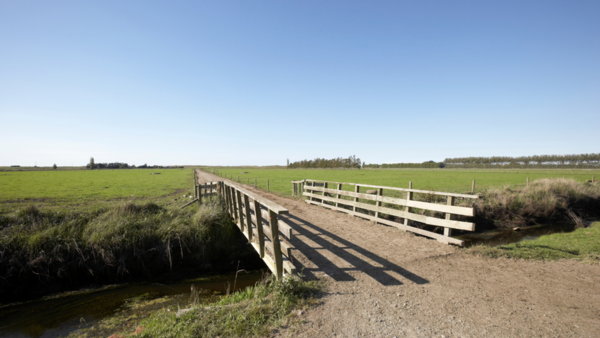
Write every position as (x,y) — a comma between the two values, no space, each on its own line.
(382,282)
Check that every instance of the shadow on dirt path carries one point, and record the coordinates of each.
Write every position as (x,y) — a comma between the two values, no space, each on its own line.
(329,244)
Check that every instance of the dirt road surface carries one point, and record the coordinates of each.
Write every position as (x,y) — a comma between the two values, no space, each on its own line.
(383,282)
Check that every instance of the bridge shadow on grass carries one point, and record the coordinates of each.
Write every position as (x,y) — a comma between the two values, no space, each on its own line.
(348,256)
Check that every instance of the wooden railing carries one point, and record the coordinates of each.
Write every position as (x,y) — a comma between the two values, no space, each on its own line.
(319,193)
(257,218)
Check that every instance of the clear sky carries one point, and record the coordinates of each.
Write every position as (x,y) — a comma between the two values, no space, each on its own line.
(256,82)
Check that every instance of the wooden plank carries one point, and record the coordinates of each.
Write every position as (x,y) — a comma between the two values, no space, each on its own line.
(431,192)
(392,223)
(272,206)
(189,203)
(276,245)
(465,211)
(259,229)
(248,216)
(403,214)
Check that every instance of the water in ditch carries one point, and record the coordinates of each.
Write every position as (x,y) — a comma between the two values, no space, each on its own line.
(61,314)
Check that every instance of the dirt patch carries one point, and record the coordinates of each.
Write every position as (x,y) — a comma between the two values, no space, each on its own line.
(382,282)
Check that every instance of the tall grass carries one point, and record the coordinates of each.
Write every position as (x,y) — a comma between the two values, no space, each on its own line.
(43,251)
(543,201)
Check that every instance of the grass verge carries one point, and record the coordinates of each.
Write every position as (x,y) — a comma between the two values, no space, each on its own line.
(253,312)
(581,244)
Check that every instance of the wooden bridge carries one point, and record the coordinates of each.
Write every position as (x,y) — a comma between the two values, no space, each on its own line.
(259,219)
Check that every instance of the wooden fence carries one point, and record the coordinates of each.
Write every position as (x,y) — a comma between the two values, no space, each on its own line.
(319,193)
(257,218)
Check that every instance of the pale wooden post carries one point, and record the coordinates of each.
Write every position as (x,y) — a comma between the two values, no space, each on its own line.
(240,209)
(199,195)
(339,187)
(259,229)
(409,196)
(473,187)
(276,244)
(356,190)
(255,183)
(267,185)
(294,189)
(378,203)
(248,217)
(312,184)
(233,206)
(448,231)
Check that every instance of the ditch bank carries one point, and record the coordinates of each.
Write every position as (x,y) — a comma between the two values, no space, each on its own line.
(44,252)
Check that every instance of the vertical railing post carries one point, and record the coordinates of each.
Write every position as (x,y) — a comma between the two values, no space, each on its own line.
(267,185)
(409,196)
(448,231)
(233,207)
(259,228)
(199,189)
(248,217)
(255,183)
(473,187)
(276,244)
(378,203)
(238,195)
(356,190)
(339,187)
(325,186)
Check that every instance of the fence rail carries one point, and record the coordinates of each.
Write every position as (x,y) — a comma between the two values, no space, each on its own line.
(319,193)
(257,218)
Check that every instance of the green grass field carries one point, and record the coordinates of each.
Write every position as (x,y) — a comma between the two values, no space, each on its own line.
(81,186)
(447,180)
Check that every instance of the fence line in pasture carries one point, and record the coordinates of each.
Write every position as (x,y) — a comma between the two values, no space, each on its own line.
(319,193)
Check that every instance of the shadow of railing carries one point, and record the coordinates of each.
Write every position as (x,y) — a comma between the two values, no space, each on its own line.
(382,271)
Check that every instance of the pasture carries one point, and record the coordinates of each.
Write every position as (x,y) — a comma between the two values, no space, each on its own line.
(447,180)
(84,186)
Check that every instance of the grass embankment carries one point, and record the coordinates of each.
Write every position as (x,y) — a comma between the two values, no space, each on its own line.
(542,202)
(50,250)
(253,312)
(581,244)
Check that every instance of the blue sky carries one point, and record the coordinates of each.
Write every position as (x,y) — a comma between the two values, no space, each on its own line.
(256,82)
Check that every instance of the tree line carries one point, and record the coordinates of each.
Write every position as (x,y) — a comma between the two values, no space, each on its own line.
(427,165)
(119,165)
(352,162)
(536,161)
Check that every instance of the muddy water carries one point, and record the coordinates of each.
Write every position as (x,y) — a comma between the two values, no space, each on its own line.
(508,236)
(61,314)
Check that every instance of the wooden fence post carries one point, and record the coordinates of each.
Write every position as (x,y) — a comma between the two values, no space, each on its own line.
(276,244)
(259,228)
(199,194)
(325,186)
(339,187)
(267,185)
(409,196)
(356,190)
(473,187)
(448,231)
(378,203)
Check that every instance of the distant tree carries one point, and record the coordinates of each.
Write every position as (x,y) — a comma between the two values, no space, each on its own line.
(91,163)
(54,166)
